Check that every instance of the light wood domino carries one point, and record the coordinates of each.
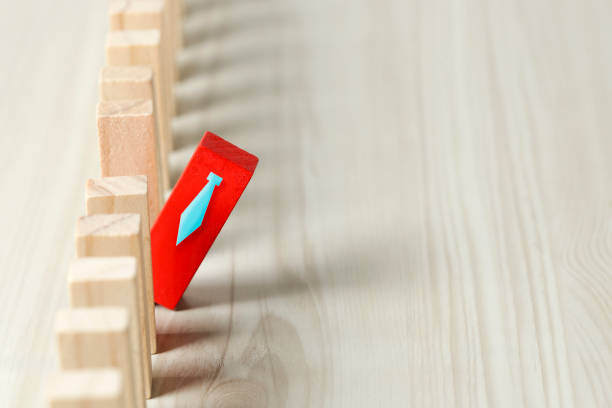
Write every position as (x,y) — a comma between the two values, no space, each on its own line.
(91,388)
(179,10)
(97,338)
(128,145)
(151,15)
(120,83)
(143,47)
(109,281)
(112,235)
(126,194)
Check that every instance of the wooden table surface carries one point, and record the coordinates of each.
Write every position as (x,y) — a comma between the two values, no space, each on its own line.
(430,224)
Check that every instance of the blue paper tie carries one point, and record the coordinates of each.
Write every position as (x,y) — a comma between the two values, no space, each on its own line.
(193,215)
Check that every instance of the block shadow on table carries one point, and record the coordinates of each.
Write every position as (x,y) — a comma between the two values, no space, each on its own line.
(230,86)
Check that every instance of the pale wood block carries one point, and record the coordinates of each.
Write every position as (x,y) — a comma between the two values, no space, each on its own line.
(126,194)
(128,145)
(111,235)
(117,83)
(175,24)
(179,11)
(147,15)
(144,47)
(113,281)
(91,388)
(150,15)
(126,82)
(170,7)
(97,338)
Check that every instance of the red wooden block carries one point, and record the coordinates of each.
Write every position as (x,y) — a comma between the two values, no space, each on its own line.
(174,265)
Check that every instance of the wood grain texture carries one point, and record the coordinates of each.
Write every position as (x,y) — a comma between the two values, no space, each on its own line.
(127,194)
(108,281)
(120,83)
(151,15)
(144,47)
(91,388)
(97,338)
(115,235)
(126,82)
(129,145)
(429,224)
(179,12)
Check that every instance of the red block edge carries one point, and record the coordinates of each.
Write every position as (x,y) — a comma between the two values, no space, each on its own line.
(229,151)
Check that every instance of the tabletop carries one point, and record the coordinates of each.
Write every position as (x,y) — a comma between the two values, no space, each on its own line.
(429,225)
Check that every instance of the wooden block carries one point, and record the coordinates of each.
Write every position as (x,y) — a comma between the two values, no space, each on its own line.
(105,235)
(118,83)
(109,281)
(179,11)
(143,47)
(97,338)
(176,25)
(91,388)
(126,194)
(170,11)
(217,174)
(150,15)
(121,83)
(128,145)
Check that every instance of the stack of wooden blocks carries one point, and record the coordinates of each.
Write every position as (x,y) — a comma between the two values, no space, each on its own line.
(105,340)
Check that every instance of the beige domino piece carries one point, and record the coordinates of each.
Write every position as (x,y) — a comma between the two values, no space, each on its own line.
(95,282)
(171,10)
(179,11)
(143,47)
(126,82)
(126,194)
(128,145)
(120,83)
(105,235)
(150,15)
(175,8)
(97,338)
(92,388)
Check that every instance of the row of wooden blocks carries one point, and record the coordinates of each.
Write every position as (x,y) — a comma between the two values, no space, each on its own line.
(106,338)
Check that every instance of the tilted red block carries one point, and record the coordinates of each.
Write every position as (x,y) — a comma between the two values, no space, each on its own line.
(211,184)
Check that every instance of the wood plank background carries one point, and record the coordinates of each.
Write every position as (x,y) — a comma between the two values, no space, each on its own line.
(430,224)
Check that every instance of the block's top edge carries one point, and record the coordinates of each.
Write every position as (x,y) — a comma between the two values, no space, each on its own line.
(138,107)
(135,73)
(116,186)
(229,151)
(126,38)
(100,269)
(95,319)
(113,225)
